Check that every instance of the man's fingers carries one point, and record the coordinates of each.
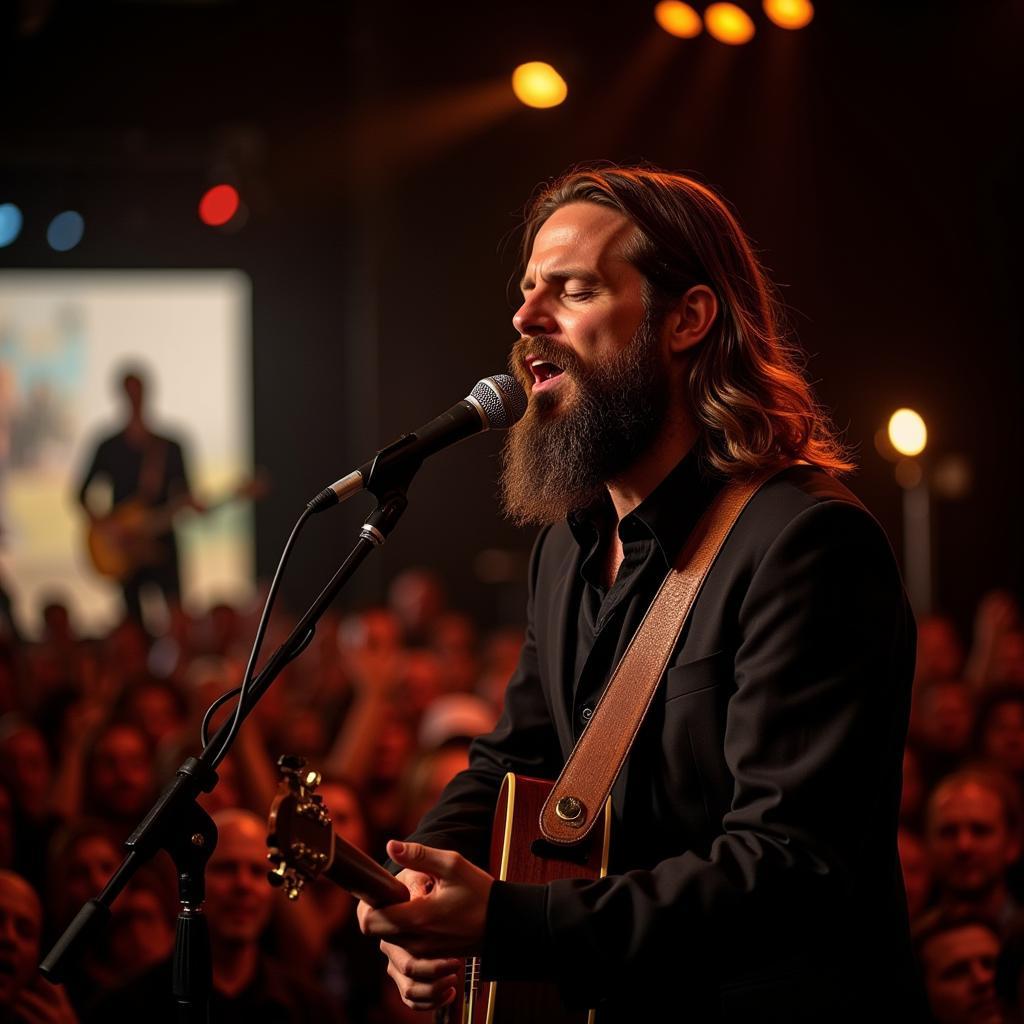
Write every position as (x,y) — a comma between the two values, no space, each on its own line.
(423,995)
(420,969)
(442,863)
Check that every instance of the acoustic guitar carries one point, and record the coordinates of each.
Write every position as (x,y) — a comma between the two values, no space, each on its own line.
(126,539)
(304,847)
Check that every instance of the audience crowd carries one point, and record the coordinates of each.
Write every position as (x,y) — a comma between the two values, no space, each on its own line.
(385,702)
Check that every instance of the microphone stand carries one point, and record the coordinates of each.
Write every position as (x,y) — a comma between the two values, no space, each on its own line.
(176,823)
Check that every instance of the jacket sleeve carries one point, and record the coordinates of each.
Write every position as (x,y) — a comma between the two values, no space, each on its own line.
(813,732)
(524,741)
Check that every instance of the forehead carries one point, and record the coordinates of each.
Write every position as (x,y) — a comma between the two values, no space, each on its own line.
(241,840)
(18,899)
(958,944)
(581,233)
(968,801)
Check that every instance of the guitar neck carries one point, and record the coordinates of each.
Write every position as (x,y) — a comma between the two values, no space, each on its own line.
(362,876)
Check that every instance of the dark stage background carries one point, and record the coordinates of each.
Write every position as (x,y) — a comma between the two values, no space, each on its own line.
(873,156)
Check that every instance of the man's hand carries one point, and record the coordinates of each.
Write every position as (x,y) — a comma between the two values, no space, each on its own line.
(426,938)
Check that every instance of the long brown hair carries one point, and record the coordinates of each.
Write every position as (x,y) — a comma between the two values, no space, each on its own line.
(746,386)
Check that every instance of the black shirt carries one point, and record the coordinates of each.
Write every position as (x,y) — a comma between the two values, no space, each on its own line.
(652,535)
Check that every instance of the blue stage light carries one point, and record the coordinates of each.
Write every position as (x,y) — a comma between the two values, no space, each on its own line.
(10,223)
(65,231)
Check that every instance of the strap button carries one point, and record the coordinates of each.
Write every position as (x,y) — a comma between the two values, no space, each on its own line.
(570,810)
(587,713)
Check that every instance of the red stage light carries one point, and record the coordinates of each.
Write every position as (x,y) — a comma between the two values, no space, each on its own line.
(218,205)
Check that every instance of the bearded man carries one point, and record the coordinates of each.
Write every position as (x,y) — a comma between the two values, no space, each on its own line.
(754,871)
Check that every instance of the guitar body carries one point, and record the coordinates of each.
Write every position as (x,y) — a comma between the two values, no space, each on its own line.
(304,847)
(122,542)
(127,539)
(519,853)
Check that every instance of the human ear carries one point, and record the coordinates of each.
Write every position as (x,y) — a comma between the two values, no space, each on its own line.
(690,319)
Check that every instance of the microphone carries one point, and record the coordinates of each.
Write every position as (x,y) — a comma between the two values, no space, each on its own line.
(495,403)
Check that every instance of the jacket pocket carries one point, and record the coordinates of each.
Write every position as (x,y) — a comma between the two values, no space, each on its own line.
(701,674)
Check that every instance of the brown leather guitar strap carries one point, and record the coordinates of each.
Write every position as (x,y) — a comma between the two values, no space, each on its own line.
(578,797)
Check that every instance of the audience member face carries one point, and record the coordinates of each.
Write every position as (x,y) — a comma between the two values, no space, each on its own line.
(84,869)
(303,731)
(1008,659)
(238,898)
(959,974)
(120,780)
(430,776)
(421,681)
(916,874)
(417,598)
(141,933)
(21,924)
(25,762)
(346,814)
(156,711)
(969,843)
(1003,738)
(127,648)
(940,654)
(945,718)
(393,750)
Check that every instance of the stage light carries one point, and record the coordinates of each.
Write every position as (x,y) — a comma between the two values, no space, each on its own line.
(678,19)
(789,13)
(10,223)
(907,432)
(65,230)
(218,205)
(538,85)
(729,24)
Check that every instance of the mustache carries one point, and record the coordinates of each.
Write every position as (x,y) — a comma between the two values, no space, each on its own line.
(540,346)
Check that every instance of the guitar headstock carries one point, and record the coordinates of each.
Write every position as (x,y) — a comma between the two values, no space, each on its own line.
(300,835)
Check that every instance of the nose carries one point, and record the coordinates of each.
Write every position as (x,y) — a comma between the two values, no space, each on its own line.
(533,318)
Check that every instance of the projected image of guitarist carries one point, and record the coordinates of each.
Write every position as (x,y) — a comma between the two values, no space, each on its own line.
(132,540)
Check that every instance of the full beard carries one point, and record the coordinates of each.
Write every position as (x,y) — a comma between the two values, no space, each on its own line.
(561,455)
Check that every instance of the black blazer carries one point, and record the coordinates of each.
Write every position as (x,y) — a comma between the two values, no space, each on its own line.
(755,874)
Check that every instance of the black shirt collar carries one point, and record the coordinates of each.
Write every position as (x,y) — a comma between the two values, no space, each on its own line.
(666,515)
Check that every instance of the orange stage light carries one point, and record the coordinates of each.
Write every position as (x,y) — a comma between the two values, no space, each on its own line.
(789,13)
(538,85)
(907,432)
(218,205)
(729,24)
(678,19)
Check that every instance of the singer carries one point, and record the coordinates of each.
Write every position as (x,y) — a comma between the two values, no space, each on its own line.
(754,872)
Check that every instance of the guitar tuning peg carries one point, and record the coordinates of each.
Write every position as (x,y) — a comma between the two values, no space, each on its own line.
(279,876)
(293,887)
(291,764)
(275,858)
(312,779)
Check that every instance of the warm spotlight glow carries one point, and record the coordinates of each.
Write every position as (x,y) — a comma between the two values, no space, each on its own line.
(678,19)
(538,85)
(907,432)
(218,205)
(729,24)
(789,13)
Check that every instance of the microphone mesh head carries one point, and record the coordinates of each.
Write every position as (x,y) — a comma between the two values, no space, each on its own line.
(502,399)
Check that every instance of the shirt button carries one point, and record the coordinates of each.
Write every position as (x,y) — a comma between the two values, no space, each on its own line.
(587,714)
